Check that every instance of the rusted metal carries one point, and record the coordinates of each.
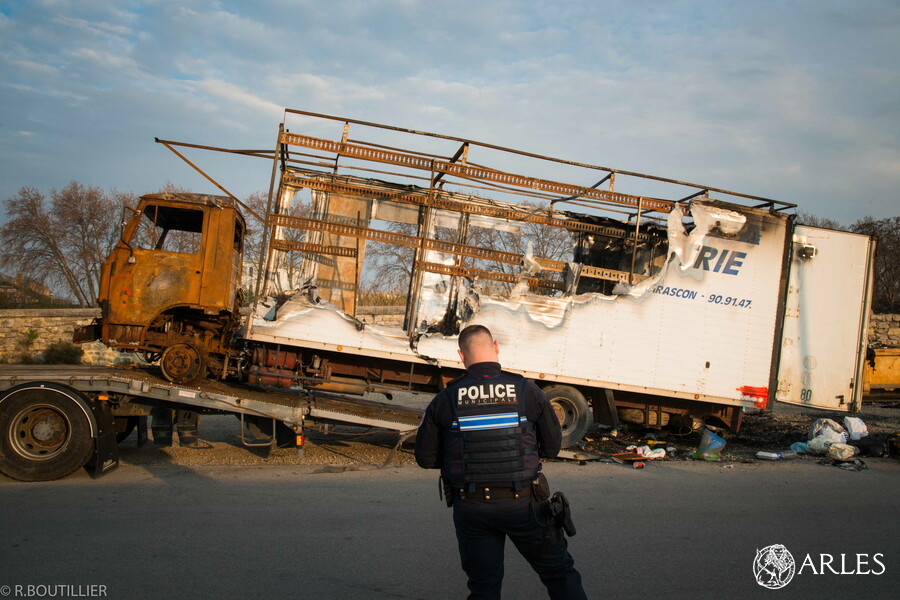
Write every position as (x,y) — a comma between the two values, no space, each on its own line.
(170,145)
(315,248)
(781,205)
(156,298)
(469,172)
(444,200)
(412,241)
(492,275)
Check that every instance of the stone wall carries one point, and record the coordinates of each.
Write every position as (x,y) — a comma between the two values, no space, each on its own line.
(884,331)
(386,316)
(26,333)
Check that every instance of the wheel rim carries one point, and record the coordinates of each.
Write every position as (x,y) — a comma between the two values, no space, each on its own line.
(565,412)
(181,362)
(40,432)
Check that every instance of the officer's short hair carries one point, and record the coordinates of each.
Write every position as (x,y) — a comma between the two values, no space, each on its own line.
(472,330)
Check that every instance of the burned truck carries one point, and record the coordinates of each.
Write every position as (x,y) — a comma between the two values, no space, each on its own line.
(686,306)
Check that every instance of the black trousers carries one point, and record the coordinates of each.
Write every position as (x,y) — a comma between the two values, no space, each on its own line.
(482,527)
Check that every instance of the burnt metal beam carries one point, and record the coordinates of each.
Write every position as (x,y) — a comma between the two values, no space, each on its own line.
(444,200)
(412,161)
(534,155)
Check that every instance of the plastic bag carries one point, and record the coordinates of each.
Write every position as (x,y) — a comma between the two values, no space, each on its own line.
(819,445)
(830,429)
(856,428)
(841,452)
(710,446)
(801,448)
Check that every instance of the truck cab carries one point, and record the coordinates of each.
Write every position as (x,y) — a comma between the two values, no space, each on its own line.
(170,287)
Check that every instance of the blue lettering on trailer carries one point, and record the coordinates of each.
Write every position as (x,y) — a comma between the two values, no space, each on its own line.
(675,292)
(717,260)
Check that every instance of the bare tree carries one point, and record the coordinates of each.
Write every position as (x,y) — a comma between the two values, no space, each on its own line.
(812,220)
(61,243)
(886,288)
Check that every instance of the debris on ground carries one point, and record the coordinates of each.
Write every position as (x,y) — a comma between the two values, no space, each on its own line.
(761,431)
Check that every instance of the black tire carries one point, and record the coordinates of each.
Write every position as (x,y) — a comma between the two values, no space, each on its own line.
(182,363)
(572,410)
(45,433)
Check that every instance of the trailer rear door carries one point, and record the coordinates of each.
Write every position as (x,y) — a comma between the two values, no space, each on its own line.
(826,318)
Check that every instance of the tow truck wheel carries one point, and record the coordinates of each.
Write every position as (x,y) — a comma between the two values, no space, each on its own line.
(44,434)
(182,363)
(572,410)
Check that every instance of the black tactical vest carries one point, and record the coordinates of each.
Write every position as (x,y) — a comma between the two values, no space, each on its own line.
(489,441)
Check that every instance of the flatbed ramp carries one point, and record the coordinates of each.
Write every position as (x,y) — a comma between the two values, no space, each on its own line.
(291,407)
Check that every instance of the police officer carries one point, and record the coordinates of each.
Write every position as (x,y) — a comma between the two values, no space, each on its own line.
(486,431)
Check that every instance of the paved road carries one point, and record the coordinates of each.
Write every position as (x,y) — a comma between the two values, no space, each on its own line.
(672,530)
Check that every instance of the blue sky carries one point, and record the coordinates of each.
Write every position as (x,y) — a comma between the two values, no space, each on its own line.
(796,101)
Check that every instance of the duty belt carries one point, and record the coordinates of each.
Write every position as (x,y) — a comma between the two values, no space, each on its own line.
(491,493)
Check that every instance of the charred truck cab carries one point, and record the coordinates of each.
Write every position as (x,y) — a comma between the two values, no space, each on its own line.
(170,287)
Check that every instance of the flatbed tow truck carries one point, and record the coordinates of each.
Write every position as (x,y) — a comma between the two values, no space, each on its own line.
(60,418)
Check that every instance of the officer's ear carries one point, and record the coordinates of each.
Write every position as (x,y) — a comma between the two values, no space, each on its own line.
(462,357)
(496,348)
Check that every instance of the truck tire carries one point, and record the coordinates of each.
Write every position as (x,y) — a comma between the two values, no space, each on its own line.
(572,410)
(45,433)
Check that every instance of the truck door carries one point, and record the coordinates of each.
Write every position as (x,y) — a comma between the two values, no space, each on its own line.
(826,318)
(161,267)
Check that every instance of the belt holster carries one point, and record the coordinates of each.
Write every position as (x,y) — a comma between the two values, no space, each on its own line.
(561,514)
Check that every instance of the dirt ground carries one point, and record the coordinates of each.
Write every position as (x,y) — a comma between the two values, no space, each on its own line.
(344,447)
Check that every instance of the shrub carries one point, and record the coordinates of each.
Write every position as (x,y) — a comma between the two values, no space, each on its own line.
(62,353)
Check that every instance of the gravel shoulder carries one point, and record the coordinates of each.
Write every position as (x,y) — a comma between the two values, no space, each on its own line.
(343,447)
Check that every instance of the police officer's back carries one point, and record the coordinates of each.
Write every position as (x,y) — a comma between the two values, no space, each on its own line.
(486,432)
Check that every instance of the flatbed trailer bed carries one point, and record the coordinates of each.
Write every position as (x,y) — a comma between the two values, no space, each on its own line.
(44,409)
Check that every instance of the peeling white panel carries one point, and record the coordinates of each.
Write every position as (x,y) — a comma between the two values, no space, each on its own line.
(302,321)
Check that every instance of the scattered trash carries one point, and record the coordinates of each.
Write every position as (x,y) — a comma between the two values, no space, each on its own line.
(710,446)
(626,457)
(647,452)
(841,451)
(893,446)
(819,445)
(871,445)
(638,464)
(801,448)
(853,465)
(776,455)
(856,428)
(831,430)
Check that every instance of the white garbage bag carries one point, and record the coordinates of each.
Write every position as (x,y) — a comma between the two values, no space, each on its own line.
(856,428)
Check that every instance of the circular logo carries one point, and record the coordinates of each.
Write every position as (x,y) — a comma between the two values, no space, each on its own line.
(774,567)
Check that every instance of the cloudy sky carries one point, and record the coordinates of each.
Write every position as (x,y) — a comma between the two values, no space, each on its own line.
(796,101)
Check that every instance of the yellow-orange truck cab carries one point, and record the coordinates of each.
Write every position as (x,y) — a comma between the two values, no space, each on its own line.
(170,287)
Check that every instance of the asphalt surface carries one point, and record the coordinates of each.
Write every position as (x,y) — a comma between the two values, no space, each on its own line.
(671,530)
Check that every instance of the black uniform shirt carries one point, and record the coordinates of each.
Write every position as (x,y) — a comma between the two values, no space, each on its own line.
(438,418)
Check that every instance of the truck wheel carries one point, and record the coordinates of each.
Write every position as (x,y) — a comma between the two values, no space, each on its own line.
(182,363)
(572,410)
(44,434)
